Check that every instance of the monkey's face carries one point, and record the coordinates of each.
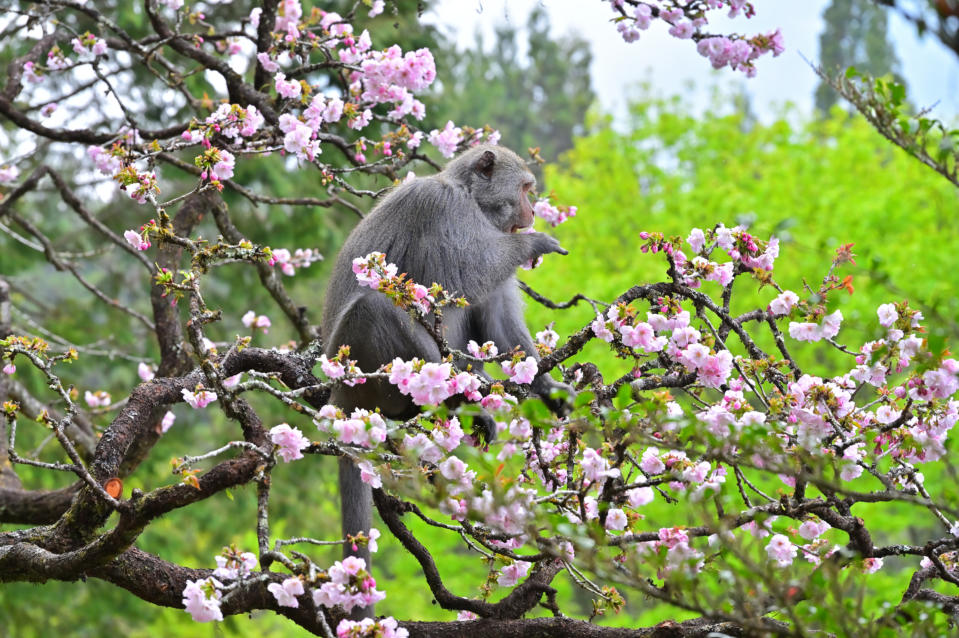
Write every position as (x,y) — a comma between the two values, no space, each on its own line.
(502,186)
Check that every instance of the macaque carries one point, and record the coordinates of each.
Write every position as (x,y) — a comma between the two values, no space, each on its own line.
(459,229)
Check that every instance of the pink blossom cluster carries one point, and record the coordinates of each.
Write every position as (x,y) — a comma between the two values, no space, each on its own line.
(554,215)
(256,322)
(521,371)
(139,186)
(89,44)
(512,573)
(362,427)
(342,367)
(445,437)
(136,240)
(510,513)
(372,269)
(737,52)
(286,592)
(290,442)
(8,173)
(429,383)
(674,543)
(145,371)
(201,599)
(781,550)
(98,399)
(56,60)
(390,76)
(350,585)
(233,565)
(808,331)
(32,73)
(447,139)
(369,628)
(199,398)
(107,162)
(745,249)
(485,351)
(301,258)
(547,338)
(229,120)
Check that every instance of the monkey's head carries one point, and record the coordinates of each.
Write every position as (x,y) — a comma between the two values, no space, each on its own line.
(499,183)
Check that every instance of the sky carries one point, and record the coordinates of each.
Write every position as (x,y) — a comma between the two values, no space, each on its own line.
(670,64)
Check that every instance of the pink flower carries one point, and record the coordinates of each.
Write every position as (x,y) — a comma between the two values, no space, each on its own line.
(376,8)
(291,442)
(9,368)
(8,174)
(453,469)
(887,314)
(523,372)
(511,574)
(199,399)
(488,349)
(223,169)
(640,496)
(871,565)
(682,30)
(254,321)
(616,520)
(643,336)
(651,463)
(594,466)
(782,304)
(830,324)
(813,529)
(696,239)
(287,89)
(201,599)
(781,550)
(601,330)
(145,371)
(446,140)
(429,386)
(267,63)
(98,399)
(30,73)
(672,536)
(371,477)
(804,331)
(287,592)
(547,337)
(136,240)
(167,421)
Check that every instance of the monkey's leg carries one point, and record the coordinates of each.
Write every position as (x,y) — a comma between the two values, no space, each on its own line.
(500,319)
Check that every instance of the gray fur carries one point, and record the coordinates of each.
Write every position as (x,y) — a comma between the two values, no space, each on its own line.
(453,229)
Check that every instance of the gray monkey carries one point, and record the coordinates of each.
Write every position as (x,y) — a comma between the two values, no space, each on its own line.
(458,229)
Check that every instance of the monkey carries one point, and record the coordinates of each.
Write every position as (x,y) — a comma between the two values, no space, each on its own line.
(457,228)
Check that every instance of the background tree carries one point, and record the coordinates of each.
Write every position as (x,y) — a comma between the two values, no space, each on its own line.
(854,34)
(536,91)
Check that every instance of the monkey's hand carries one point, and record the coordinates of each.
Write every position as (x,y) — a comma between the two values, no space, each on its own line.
(543,244)
(560,403)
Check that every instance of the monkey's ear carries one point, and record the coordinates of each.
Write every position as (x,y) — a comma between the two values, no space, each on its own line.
(484,165)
